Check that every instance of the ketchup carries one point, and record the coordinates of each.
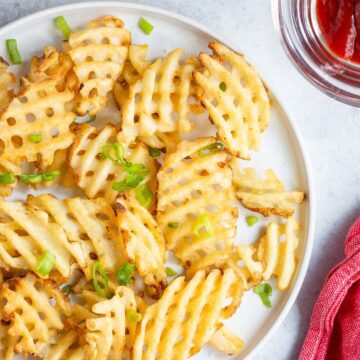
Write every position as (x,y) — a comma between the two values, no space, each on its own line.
(339,21)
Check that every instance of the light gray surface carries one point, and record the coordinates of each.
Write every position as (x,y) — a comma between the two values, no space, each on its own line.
(331,131)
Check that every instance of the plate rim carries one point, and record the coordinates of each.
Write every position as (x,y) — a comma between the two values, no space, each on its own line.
(310,195)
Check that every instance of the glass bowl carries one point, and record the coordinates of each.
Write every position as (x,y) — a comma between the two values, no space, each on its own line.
(297,25)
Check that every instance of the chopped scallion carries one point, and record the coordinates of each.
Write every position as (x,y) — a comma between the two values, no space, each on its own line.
(132,316)
(264,291)
(252,220)
(49,176)
(210,149)
(132,180)
(35,138)
(62,25)
(144,195)
(100,279)
(203,226)
(222,86)
(45,263)
(31,178)
(145,26)
(7,178)
(115,148)
(170,271)
(154,152)
(13,51)
(173,225)
(66,289)
(125,273)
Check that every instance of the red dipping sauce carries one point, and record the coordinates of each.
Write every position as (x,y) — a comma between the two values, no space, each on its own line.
(339,21)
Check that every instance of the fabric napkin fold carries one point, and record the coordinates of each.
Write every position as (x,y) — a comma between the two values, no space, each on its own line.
(334,331)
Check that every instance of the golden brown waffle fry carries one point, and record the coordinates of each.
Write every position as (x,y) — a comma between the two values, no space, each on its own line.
(6,80)
(8,167)
(52,65)
(226,341)
(90,228)
(110,333)
(38,109)
(279,257)
(143,243)
(99,53)
(95,175)
(158,102)
(235,98)
(268,196)
(76,231)
(34,319)
(193,186)
(187,316)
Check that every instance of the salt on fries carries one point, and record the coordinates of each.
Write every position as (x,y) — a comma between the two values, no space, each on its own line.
(146,193)
(235,98)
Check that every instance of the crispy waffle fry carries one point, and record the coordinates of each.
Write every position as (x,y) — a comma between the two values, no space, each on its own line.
(106,334)
(8,167)
(268,196)
(76,231)
(6,80)
(95,175)
(226,341)
(158,102)
(235,98)
(38,109)
(278,257)
(187,316)
(34,319)
(143,243)
(99,53)
(192,186)
(52,65)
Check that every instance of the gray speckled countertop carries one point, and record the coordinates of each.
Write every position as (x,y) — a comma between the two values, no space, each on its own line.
(331,131)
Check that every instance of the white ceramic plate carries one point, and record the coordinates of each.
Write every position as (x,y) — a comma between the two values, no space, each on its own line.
(281,149)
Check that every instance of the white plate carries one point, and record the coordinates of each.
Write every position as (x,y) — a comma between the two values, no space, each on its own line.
(282,148)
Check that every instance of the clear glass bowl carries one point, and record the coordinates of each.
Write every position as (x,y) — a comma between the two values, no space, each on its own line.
(296,23)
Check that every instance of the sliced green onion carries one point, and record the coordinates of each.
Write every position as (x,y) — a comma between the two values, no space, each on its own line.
(31,178)
(62,25)
(132,180)
(118,151)
(154,152)
(100,279)
(144,195)
(7,178)
(222,86)
(252,220)
(45,263)
(173,225)
(203,226)
(210,149)
(125,273)
(35,138)
(133,168)
(13,51)
(145,26)
(132,316)
(66,289)
(92,118)
(170,272)
(49,176)
(264,291)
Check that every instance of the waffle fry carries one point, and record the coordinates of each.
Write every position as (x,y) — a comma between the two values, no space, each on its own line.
(239,107)
(38,108)
(268,196)
(190,312)
(8,167)
(52,65)
(278,257)
(77,231)
(99,53)
(6,80)
(158,102)
(34,319)
(95,175)
(143,243)
(191,186)
(226,341)
(107,333)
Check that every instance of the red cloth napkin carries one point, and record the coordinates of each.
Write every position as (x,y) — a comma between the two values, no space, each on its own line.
(334,332)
